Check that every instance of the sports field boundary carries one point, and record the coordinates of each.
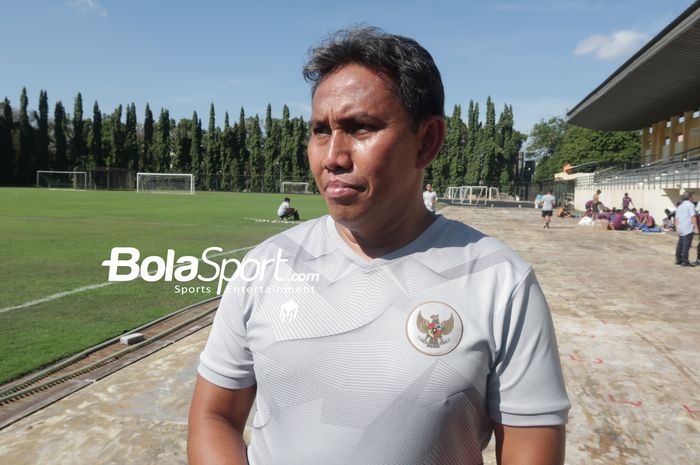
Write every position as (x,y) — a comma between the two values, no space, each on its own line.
(46,386)
(73,358)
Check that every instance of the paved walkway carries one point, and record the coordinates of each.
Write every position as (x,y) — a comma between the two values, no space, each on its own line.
(628,326)
(629,337)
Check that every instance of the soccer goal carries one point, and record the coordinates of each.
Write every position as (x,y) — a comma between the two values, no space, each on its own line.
(62,179)
(289,187)
(469,195)
(493,193)
(452,192)
(169,183)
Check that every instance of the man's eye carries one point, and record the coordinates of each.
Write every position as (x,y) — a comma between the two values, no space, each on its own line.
(363,129)
(320,130)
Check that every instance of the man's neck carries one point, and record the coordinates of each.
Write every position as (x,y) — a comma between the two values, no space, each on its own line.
(373,244)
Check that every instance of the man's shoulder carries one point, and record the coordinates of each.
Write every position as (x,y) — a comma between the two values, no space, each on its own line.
(457,244)
(309,232)
(687,205)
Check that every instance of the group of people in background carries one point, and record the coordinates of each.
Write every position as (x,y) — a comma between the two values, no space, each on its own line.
(628,217)
(684,220)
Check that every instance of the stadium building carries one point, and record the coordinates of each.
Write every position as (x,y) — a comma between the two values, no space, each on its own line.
(657,91)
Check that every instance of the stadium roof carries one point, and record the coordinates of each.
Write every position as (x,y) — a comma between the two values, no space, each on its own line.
(661,80)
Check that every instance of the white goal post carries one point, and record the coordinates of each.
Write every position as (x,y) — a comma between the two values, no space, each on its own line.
(62,179)
(172,183)
(289,187)
(471,195)
(452,192)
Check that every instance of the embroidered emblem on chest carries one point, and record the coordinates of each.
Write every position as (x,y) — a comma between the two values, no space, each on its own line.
(434,328)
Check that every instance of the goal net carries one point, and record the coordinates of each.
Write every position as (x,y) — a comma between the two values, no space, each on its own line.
(493,193)
(295,188)
(174,183)
(452,193)
(62,179)
(470,195)
(467,195)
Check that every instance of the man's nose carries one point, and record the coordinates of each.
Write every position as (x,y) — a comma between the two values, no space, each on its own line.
(339,156)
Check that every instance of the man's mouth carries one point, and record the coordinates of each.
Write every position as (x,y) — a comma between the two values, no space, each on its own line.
(338,190)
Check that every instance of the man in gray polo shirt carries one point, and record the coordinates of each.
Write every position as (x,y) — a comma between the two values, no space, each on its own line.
(411,338)
(686,225)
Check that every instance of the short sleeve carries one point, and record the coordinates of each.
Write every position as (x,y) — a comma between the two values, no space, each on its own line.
(526,386)
(227,360)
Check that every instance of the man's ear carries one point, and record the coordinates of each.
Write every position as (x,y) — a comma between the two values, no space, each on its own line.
(432,134)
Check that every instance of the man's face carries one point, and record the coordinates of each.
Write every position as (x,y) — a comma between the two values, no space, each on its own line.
(429,187)
(362,149)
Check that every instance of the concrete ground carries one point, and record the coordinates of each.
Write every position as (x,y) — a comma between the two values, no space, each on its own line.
(628,329)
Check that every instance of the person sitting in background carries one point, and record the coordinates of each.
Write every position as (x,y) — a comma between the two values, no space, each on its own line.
(564,211)
(633,219)
(669,221)
(604,214)
(642,216)
(619,222)
(614,213)
(285,211)
(649,224)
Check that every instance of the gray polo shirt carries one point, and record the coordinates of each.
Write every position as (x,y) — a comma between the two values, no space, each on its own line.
(684,215)
(403,359)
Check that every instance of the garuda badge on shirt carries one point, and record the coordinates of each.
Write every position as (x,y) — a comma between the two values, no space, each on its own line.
(434,328)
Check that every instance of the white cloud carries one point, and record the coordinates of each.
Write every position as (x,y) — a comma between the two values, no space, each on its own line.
(612,46)
(88,6)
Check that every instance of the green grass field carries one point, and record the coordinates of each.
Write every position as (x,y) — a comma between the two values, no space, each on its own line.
(55,241)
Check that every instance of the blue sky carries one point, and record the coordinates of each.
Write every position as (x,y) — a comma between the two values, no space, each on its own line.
(541,56)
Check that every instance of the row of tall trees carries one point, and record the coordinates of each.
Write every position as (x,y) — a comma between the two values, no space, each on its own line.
(238,156)
(478,153)
(564,143)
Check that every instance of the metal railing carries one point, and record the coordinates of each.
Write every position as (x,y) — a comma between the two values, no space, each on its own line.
(682,171)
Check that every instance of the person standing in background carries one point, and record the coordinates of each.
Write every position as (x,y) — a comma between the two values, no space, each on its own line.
(596,204)
(548,204)
(429,198)
(686,225)
(626,201)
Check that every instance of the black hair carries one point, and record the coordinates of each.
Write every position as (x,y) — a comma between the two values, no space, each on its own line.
(402,59)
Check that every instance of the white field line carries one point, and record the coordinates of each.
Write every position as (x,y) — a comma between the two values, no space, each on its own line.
(56,296)
(97,286)
(267,220)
